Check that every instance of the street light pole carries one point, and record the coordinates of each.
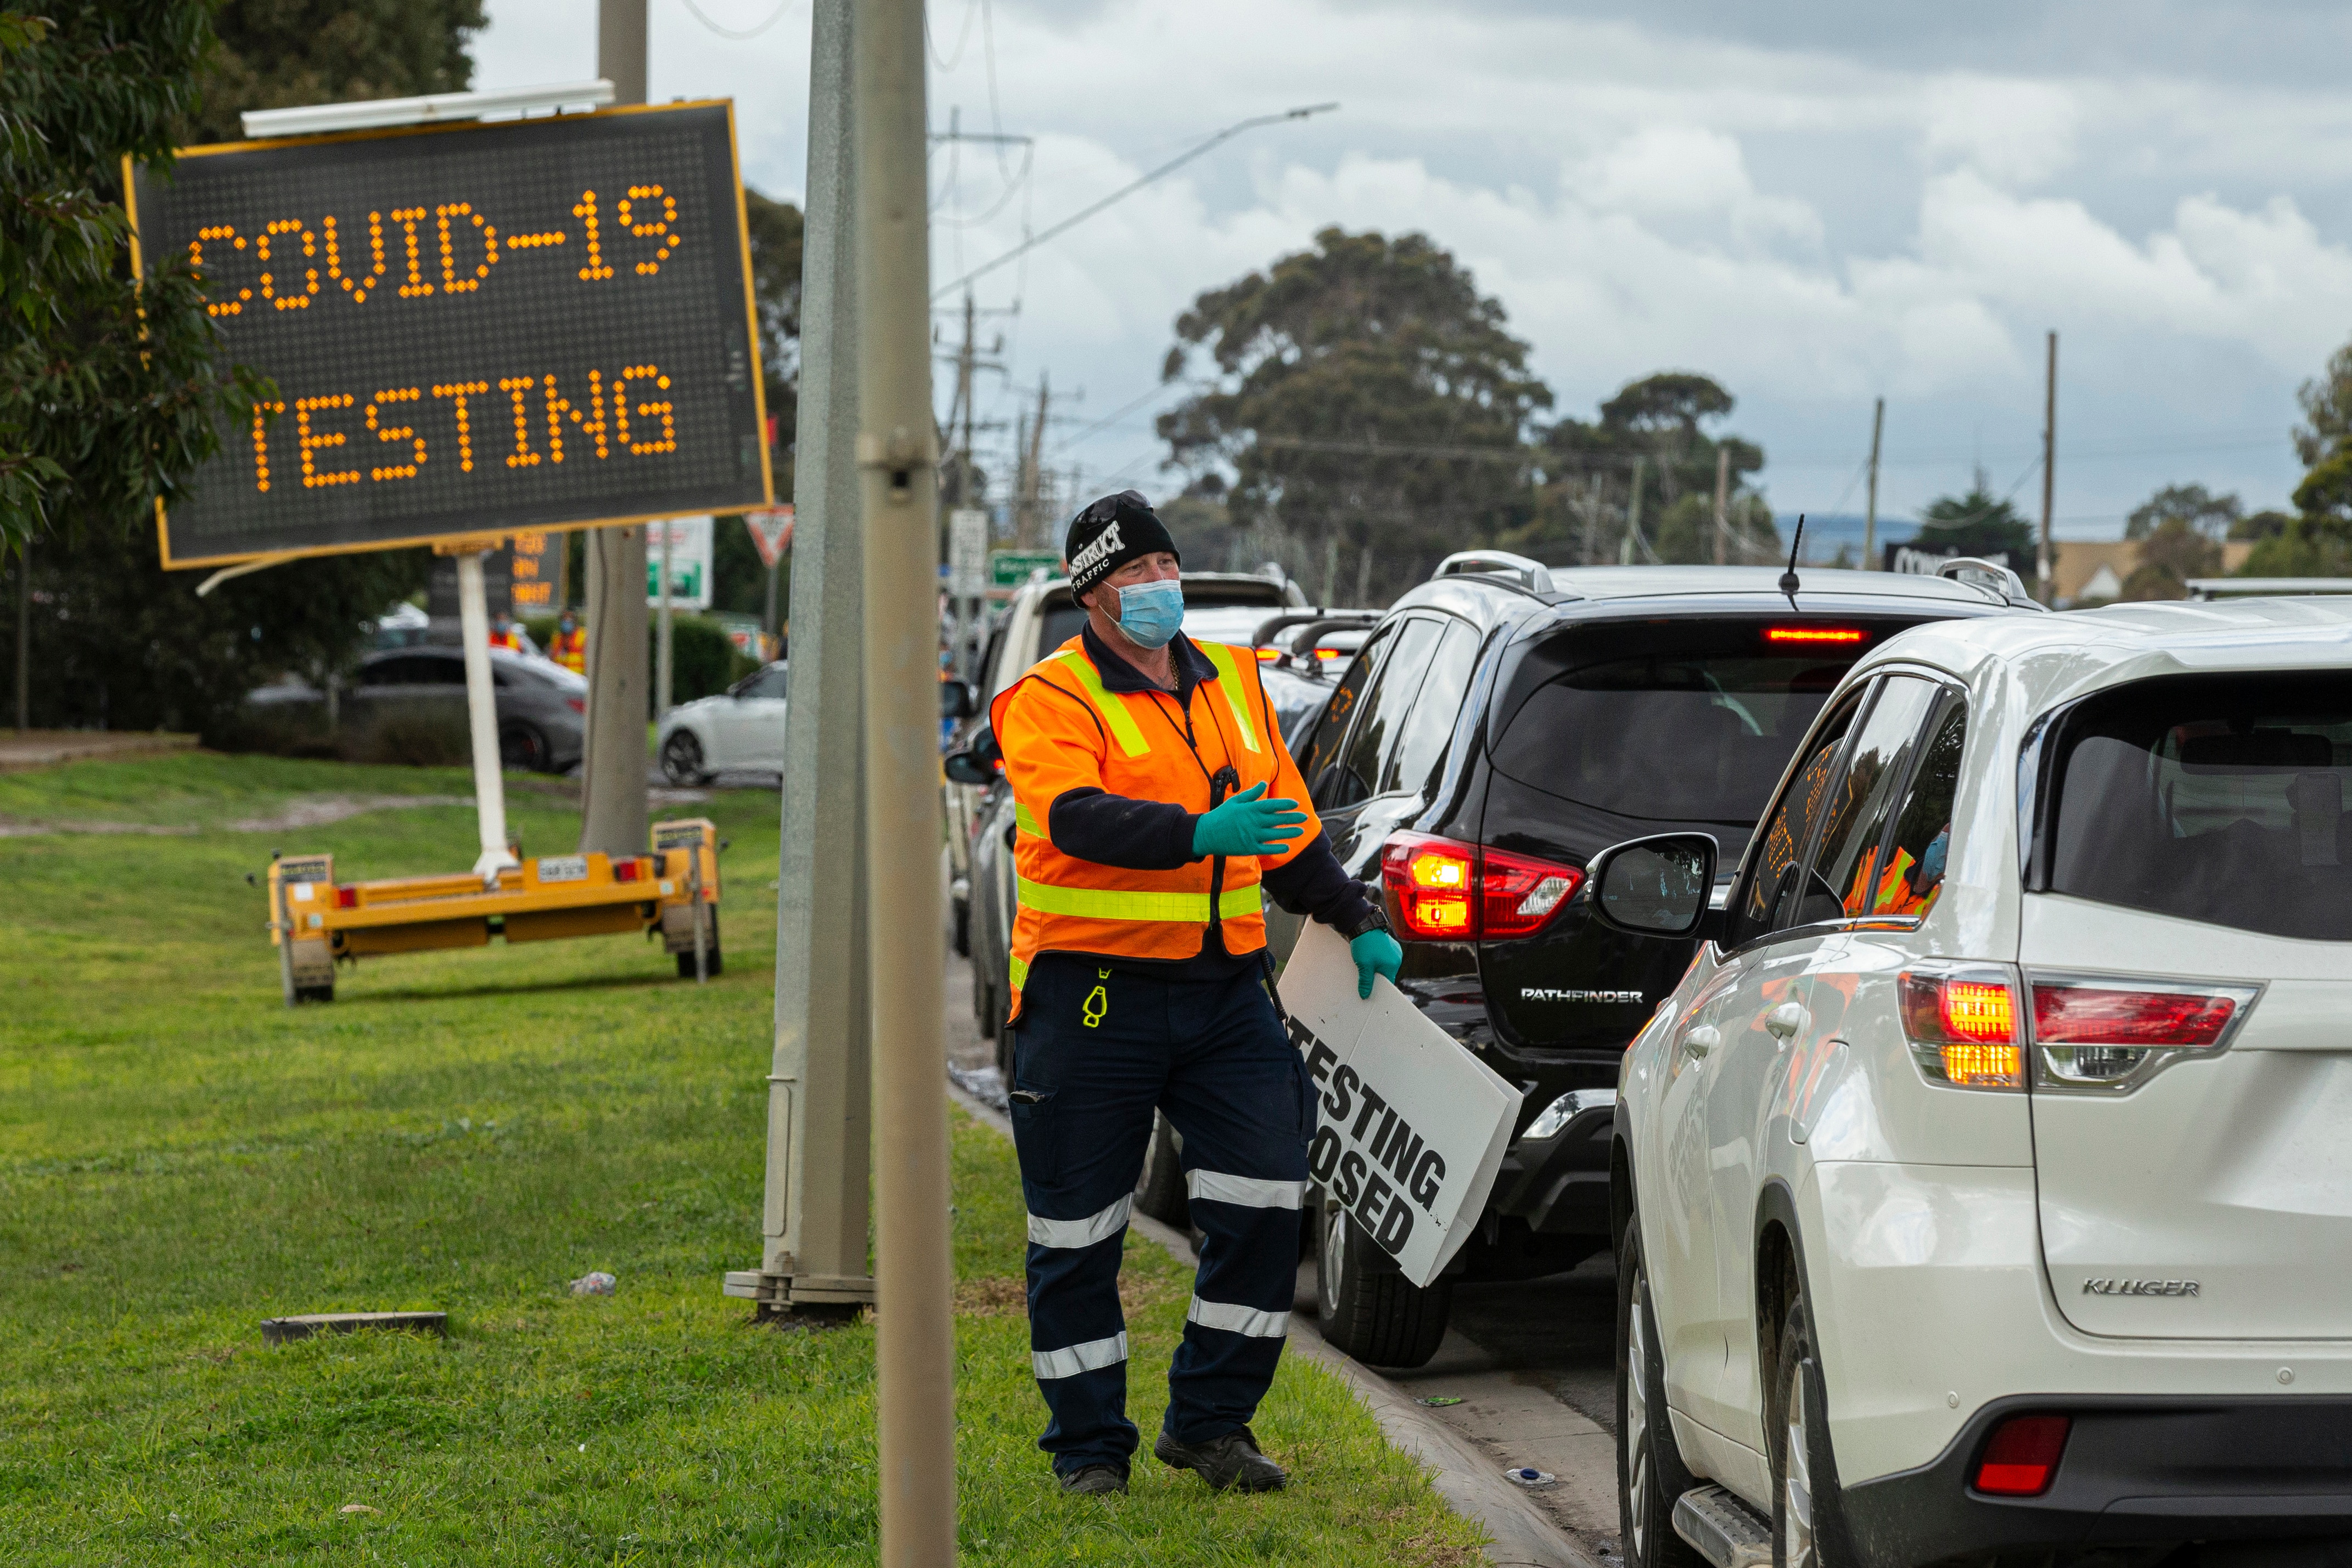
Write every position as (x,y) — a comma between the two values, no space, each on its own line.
(897,461)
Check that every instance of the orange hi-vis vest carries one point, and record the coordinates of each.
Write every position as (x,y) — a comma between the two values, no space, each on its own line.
(1061,730)
(570,649)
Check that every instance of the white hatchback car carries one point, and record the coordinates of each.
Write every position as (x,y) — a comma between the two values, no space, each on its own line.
(742,727)
(1984,1191)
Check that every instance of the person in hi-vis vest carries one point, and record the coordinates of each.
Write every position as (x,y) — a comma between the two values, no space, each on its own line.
(1153,801)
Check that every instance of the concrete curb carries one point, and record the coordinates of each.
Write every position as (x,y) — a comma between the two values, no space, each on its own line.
(1521,1535)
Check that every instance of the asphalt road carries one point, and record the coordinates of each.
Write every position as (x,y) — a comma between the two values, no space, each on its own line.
(1531,1363)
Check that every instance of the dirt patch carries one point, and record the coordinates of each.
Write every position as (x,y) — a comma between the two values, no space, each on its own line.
(998,1296)
(317,810)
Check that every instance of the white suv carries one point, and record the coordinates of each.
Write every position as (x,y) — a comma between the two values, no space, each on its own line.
(1985,1188)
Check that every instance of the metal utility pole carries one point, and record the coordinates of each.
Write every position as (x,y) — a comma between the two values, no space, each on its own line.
(2044,561)
(1722,502)
(1870,507)
(1633,515)
(665,671)
(897,465)
(820,1079)
(1033,471)
(481,709)
(613,770)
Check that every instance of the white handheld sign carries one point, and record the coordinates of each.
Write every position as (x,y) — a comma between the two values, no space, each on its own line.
(1413,1127)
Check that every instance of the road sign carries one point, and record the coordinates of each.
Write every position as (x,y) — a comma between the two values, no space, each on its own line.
(689,562)
(539,324)
(771,532)
(968,552)
(1010,568)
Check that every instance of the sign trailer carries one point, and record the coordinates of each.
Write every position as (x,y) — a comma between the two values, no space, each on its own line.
(476,331)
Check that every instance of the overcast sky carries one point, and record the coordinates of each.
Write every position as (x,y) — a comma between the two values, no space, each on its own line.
(1817,206)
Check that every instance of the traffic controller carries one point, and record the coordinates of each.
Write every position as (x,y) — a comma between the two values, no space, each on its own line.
(672,892)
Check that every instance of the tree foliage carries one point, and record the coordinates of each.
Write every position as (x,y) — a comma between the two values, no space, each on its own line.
(738,580)
(1655,426)
(1978,523)
(1361,390)
(278,54)
(2193,506)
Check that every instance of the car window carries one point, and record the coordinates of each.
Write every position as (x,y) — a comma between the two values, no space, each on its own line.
(1322,748)
(1840,882)
(1912,872)
(1380,720)
(1420,745)
(1787,832)
(768,683)
(2218,799)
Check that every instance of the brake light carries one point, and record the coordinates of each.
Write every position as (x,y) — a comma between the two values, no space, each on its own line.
(2022,1456)
(1845,636)
(1268,655)
(624,871)
(1442,888)
(2095,1015)
(1963,1028)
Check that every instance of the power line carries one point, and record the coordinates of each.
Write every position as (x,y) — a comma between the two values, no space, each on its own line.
(1074,219)
(773,17)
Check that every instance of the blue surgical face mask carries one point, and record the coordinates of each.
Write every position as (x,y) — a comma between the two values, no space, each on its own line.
(1150,612)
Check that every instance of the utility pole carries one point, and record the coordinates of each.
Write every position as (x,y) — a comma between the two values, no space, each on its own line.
(898,470)
(25,634)
(1032,473)
(613,773)
(1632,514)
(1330,571)
(1592,516)
(665,671)
(1722,502)
(813,1258)
(2043,562)
(1870,507)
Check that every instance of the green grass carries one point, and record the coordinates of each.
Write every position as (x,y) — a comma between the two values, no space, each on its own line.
(181,1157)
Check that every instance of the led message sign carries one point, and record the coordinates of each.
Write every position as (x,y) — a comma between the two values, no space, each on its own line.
(473,329)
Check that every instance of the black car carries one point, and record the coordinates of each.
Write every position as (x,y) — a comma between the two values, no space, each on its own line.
(1504,725)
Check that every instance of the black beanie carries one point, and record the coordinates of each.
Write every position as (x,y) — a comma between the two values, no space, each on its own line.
(1111,533)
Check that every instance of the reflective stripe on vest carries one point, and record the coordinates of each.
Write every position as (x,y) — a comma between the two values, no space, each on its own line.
(1025,822)
(1018,972)
(1229,681)
(1115,716)
(1106,903)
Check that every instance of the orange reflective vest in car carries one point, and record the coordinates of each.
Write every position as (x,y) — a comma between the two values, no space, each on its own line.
(1062,728)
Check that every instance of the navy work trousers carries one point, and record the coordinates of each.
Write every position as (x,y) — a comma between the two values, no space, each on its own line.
(1096,1050)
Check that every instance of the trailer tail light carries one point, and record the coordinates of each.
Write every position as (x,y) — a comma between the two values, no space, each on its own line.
(2112,1032)
(1815,636)
(1442,888)
(347,898)
(624,871)
(2022,1459)
(1963,1026)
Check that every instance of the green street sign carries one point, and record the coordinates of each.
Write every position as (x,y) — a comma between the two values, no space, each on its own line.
(1010,568)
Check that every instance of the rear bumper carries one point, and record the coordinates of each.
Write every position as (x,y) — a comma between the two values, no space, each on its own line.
(1560,1185)
(2142,1470)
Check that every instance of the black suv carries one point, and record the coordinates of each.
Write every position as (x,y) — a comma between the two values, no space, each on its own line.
(1503,725)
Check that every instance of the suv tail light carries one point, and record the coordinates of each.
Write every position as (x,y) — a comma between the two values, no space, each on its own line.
(1443,888)
(1963,1026)
(2112,1032)
(2022,1458)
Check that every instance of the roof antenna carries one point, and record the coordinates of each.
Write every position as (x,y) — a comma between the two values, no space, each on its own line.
(1788,583)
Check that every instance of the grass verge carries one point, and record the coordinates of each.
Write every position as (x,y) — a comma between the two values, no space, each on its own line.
(181,1157)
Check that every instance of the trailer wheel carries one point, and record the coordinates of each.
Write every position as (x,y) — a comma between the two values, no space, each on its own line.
(710,959)
(325,993)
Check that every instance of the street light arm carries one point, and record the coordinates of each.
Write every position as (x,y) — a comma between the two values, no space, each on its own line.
(1227,134)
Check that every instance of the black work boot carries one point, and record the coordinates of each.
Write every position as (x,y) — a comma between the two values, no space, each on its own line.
(1232,1460)
(1091,1481)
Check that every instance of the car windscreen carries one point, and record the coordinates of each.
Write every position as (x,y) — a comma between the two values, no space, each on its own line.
(2218,799)
(1695,728)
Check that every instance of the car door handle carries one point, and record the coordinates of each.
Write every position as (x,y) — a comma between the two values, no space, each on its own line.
(1701,1041)
(1782,1020)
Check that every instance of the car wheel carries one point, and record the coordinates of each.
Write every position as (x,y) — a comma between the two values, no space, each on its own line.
(711,965)
(681,758)
(1159,1184)
(1650,1473)
(1808,1514)
(1368,1309)
(987,1012)
(964,928)
(524,748)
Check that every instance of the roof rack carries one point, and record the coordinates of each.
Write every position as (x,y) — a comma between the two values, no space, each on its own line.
(2265,587)
(1533,576)
(1990,577)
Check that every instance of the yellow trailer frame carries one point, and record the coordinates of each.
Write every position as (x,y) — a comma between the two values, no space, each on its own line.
(316,920)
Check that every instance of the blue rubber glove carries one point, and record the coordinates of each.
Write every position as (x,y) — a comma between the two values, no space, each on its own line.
(1375,953)
(1246,825)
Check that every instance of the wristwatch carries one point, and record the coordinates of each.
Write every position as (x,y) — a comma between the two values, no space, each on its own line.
(1374,918)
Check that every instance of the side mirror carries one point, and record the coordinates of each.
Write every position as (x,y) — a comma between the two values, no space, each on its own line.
(1656,886)
(975,764)
(957,700)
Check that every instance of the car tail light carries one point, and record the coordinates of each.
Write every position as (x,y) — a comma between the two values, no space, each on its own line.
(1816,636)
(1442,888)
(577,705)
(2022,1458)
(1268,655)
(1963,1026)
(2112,1032)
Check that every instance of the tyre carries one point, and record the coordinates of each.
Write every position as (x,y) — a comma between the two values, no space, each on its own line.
(1650,1472)
(987,1012)
(962,927)
(1808,1513)
(325,993)
(1004,1056)
(1368,1308)
(710,961)
(524,748)
(1159,1184)
(681,758)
